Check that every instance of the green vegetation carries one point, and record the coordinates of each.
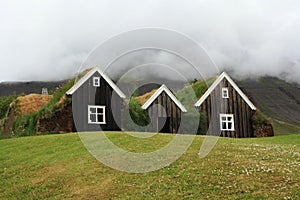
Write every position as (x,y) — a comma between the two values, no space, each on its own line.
(192,92)
(260,118)
(274,97)
(5,103)
(285,128)
(25,125)
(189,95)
(52,105)
(59,167)
(138,115)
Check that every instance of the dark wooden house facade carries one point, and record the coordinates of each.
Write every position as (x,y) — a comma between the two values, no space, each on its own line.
(97,103)
(165,111)
(228,110)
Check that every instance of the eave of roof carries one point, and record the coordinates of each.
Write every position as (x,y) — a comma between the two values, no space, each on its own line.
(103,75)
(217,82)
(163,88)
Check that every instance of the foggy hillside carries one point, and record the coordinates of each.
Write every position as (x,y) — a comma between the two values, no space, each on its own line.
(10,88)
(276,98)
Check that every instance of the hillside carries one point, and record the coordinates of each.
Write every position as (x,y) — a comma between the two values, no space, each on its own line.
(274,97)
(278,100)
(36,114)
(23,105)
(60,167)
(10,88)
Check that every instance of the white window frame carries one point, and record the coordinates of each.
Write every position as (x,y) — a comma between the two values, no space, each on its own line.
(226,116)
(96,114)
(96,81)
(225,93)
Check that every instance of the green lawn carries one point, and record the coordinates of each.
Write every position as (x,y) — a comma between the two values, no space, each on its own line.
(59,166)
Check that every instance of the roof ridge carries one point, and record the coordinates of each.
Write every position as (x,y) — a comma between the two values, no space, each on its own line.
(234,85)
(164,88)
(88,75)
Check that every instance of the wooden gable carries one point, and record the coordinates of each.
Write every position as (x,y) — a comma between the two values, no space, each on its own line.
(167,116)
(236,106)
(93,92)
(219,81)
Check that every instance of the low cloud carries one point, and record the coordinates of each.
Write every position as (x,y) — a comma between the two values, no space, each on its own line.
(49,40)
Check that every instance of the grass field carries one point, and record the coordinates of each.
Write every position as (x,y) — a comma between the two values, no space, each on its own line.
(59,166)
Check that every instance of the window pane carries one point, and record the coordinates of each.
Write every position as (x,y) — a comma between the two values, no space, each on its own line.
(229,125)
(93,118)
(100,118)
(100,110)
(224,126)
(93,110)
(229,118)
(223,119)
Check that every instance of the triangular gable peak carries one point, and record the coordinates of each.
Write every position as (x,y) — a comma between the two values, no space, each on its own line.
(158,92)
(216,83)
(103,75)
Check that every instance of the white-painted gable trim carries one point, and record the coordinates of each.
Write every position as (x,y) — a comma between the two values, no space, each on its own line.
(163,88)
(88,75)
(217,82)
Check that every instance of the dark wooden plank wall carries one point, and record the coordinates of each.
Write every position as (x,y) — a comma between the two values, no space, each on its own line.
(214,105)
(86,95)
(171,109)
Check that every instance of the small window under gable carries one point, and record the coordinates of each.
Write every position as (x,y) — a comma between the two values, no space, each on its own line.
(96,115)
(225,93)
(96,81)
(226,122)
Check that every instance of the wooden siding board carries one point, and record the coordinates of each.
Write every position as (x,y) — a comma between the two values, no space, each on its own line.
(172,111)
(230,106)
(235,108)
(86,95)
(214,104)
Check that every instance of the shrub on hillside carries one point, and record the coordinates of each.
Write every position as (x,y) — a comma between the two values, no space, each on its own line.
(259,118)
(5,103)
(52,105)
(138,115)
(24,125)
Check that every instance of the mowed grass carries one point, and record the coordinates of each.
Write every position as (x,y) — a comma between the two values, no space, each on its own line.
(59,167)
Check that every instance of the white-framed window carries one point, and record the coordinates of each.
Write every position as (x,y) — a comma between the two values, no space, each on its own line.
(96,81)
(96,115)
(225,93)
(226,122)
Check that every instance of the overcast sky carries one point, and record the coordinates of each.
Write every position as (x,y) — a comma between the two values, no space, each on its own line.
(48,40)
